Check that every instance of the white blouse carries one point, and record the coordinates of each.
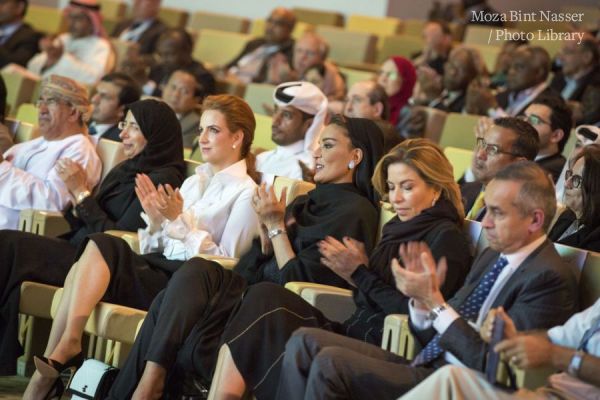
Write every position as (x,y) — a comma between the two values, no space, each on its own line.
(218,217)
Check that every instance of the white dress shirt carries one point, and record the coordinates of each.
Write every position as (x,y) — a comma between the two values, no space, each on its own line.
(569,335)
(283,161)
(133,35)
(100,130)
(218,217)
(449,315)
(518,101)
(28,178)
(83,59)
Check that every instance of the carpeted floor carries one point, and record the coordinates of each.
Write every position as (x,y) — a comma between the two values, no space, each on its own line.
(12,387)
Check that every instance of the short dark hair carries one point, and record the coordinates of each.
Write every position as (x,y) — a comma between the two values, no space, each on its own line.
(442,24)
(590,186)
(129,91)
(561,117)
(25,6)
(527,143)
(199,90)
(537,190)
(376,95)
(180,35)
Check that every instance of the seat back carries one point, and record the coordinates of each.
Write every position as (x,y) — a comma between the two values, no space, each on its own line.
(434,122)
(318,17)
(19,90)
(262,133)
(173,17)
(386,212)
(460,160)
(26,132)
(459,131)
(27,112)
(379,26)
(399,45)
(480,35)
(111,153)
(572,255)
(489,54)
(257,28)
(413,27)
(12,125)
(221,22)
(472,230)
(190,167)
(258,94)
(355,75)
(217,48)
(114,10)
(348,47)
(122,50)
(49,20)
(295,187)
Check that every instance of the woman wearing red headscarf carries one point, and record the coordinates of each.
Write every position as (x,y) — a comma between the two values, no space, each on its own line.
(398,77)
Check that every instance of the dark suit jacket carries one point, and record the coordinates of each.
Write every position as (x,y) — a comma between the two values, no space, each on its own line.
(558,83)
(542,293)
(148,38)
(455,105)
(553,164)
(286,48)
(20,47)
(502,98)
(469,192)
(587,238)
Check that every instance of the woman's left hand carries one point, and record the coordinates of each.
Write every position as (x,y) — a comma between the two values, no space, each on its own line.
(270,210)
(343,258)
(169,201)
(73,175)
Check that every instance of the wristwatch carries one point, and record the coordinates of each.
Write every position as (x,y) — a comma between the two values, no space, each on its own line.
(436,311)
(274,232)
(575,363)
(82,196)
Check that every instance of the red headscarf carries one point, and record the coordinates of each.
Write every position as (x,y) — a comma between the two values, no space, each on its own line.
(409,77)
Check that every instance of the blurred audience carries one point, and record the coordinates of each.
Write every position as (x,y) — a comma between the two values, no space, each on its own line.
(438,43)
(82,53)
(6,136)
(18,40)
(580,65)
(144,27)
(398,77)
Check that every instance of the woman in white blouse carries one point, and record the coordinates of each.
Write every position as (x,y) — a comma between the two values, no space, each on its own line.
(210,214)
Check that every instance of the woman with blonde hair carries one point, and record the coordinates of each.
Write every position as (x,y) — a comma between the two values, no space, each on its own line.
(211,214)
(417,180)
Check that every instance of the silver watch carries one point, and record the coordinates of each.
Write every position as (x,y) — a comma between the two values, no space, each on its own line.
(575,363)
(274,232)
(436,311)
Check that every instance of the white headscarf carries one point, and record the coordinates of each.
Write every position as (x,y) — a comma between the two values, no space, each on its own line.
(308,98)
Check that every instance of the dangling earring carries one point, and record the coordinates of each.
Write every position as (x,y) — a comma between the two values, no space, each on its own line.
(435,199)
(351,165)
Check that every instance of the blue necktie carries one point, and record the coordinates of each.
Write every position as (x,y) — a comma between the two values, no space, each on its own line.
(92,129)
(468,310)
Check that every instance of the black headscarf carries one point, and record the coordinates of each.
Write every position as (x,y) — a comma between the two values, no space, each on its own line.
(164,148)
(367,136)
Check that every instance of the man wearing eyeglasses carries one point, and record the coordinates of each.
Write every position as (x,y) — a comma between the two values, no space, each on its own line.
(506,141)
(551,118)
(58,168)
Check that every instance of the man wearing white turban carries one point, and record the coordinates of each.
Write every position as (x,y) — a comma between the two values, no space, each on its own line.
(37,173)
(300,112)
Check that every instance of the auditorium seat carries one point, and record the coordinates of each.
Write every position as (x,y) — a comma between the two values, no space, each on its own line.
(173,17)
(27,112)
(348,47)
(48,20)
(220,22)
(19,90)
(484,35)
(262,133)
(413,27)
(257,94)
(217,48)
(460,160)
(354,75)
(25,132)
(318,17)
(257,28)
(458,131)
(399,45)
(379,26)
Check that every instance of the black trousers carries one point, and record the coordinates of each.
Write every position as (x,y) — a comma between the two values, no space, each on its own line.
(183,328)
(319,364)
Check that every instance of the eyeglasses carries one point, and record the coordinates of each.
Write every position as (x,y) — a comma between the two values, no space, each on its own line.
(576,180)
(493,149)
(534,120)
(126,125)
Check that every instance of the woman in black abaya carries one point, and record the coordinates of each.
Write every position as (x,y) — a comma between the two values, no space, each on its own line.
(157,152)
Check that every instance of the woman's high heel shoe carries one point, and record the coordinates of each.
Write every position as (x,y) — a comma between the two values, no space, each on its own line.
(52,369)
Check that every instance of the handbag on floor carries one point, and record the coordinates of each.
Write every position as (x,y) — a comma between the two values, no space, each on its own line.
(92,380)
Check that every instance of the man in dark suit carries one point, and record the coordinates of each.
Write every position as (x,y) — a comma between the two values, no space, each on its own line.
(18,41)
(113,93)
(252,64)
(526,80)
(507,140)
(520,271)
(551,118)
(579,67)
(144,27)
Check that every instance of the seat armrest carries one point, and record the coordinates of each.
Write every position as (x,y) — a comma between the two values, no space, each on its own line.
(130,237)
(26,220)
(49,223)
(225,262)
(298,287)
(336,304)
(397,337)
(533,378)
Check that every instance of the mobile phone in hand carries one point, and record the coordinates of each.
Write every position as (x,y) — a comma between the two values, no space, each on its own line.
(493,357)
